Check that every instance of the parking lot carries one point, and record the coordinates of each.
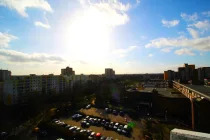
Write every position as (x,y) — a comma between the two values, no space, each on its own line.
(106,132)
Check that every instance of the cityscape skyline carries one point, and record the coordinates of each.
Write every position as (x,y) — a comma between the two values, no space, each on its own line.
(129,36)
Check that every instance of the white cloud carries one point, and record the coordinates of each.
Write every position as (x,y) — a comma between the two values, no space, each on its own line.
(137,1)
(15,56)
(187,17)
(108,12)
(205,25)
(40,24)
(193,32)
(207,13)
(21,5)
(201,54)
(143,37)
(171,23)
(151,55)
(166,49)
(184,51)
(5,39)
(123,52)
(201,44)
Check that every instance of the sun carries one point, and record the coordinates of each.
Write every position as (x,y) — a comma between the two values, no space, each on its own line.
(89,36)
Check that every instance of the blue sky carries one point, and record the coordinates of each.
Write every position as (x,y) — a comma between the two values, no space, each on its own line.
(131,36)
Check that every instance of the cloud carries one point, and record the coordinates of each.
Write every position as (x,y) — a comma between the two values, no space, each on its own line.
(166,49)
(143,37)
(15,56)
(5,39)
(21,5)
(80,62)
(205,25)
(40,24)
(151,55)
(207,13)
(187,17)
(171,23)
(123,52)
(201,44)
(137,1)
(193,32)
(184,51)
(109,12)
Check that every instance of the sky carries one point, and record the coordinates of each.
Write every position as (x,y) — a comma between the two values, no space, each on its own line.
(130,36)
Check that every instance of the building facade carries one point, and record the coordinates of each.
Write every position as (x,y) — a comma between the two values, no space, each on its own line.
(1,91)
(203,73)
(109,73)
(18,88)
(5,75)
(169,75)
(67,71)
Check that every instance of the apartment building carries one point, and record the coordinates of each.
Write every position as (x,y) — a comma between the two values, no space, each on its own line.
(109,73)
(5,75)
(67,71)
(169,75)
(1,91)
(17,89)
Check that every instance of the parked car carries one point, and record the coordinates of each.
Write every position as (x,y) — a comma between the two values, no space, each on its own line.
(122,113)
(115,112)
(103,138)
(88,106)
(68,126)
(72,128)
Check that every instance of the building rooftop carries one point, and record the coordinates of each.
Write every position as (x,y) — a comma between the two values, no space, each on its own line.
(198,88)
(165,92)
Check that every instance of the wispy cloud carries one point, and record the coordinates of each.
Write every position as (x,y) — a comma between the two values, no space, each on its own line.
(201,44)
(21,5)
(187,17)
(204,25)
(137,1)
(207,13)
(80,62)
(184,51)
(166,49)
(170,23)
(143,37)
(110,12)
(123,52)
(40,24)
(193,32)
(15,56)
(5,39)
(150,55)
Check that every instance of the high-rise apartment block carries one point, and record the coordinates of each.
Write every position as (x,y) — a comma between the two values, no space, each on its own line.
(5,75)
(188,74)
(17,89)
(67,71)
(109,73)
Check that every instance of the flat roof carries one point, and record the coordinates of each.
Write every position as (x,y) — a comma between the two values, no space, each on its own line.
(165,92)
(202,89)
